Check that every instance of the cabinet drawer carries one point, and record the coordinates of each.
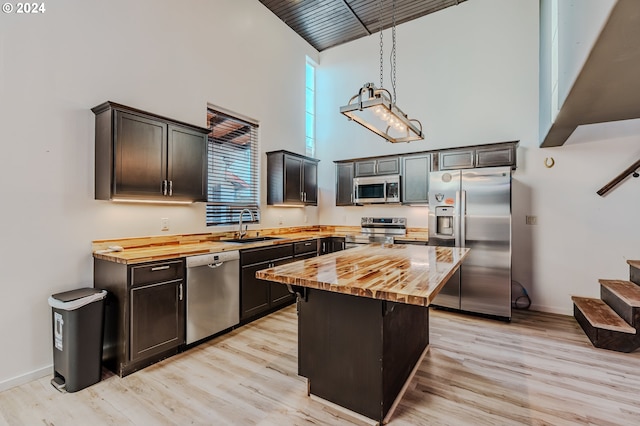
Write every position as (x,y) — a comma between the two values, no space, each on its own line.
(157,272)
(302,247)
(251,256)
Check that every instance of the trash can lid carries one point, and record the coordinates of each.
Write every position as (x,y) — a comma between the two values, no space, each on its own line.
(74,299)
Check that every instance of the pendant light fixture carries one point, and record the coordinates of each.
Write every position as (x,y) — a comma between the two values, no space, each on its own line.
(375,108)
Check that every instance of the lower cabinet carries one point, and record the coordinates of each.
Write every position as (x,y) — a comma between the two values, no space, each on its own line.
(331,244)
(258,296)
(144,312)
(157,319)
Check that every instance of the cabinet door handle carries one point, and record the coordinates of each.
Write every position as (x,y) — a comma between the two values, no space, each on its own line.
(323,250)
(160,268)
(170,188)
(307,244)
(163,187)
(180,291)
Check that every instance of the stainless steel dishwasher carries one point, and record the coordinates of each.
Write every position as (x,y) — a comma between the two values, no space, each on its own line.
(213,294)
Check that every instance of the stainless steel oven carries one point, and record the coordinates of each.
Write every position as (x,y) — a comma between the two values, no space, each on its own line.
(377,230)
(377,189)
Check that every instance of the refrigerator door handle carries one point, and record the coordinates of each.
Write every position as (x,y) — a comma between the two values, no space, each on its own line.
(463,218)
(456,222)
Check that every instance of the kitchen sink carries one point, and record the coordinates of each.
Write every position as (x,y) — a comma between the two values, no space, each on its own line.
(250,240)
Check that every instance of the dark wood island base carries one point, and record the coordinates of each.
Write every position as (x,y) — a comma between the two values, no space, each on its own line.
(363,320)
(358,352)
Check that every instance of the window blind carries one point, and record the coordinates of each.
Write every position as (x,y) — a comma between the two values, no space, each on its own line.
(232,169)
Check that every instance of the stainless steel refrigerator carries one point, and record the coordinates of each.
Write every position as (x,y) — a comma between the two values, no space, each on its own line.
(472,208)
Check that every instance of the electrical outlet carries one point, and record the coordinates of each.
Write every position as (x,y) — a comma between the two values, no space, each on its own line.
(531,220)
(280,220)
(164,224)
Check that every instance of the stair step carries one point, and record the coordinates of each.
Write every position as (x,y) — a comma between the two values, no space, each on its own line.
(625,290)
(600,315)
(634,271)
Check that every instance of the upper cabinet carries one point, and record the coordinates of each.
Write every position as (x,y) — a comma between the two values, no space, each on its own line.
(459,159)
(292,179)
(378,166)
(415,178)
(344,184)
(468,158)
(142,156)
(416,166)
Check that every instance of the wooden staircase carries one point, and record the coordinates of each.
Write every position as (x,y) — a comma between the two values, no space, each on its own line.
(613,321)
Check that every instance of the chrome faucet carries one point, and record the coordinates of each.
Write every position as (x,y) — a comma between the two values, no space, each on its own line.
(240,233)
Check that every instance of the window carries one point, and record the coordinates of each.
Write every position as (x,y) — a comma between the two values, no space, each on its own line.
(232,154)
(310,108)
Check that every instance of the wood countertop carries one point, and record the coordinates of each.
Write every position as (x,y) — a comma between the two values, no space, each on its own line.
(399,273)
(153,248)
(183,248)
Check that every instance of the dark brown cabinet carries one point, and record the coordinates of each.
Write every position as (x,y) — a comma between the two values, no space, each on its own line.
(258,296)
(144,312)
(157,319)
(482,156)
(344,184)
(458,159)
(331,244)
(142,156)
(305,249)
(415,178)
(497,156)
(378,166)
(292,179)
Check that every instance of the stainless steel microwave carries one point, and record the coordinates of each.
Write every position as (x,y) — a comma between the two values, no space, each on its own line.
(376,189)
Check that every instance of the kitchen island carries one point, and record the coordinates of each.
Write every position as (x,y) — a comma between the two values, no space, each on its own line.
(363,320)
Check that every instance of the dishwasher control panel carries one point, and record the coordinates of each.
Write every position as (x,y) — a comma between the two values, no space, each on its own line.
(212,258)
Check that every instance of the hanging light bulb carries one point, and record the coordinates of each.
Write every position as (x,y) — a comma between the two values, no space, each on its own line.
(376,109)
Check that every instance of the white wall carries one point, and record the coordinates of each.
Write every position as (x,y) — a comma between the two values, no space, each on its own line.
(167,57)
(470,74)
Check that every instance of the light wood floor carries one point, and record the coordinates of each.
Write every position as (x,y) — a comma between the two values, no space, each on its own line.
(538,370)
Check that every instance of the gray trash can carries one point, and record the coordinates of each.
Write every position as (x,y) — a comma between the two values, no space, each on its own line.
(77,318)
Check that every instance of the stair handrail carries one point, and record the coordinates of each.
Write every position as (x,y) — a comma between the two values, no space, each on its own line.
(631,170)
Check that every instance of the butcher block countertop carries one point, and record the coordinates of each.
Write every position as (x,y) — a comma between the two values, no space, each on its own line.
(153,248)
(399,273)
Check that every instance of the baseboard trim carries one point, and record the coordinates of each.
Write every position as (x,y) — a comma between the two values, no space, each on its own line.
(552,309)
(26,378)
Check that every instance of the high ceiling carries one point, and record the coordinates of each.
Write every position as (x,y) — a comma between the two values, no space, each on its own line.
(328,23)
